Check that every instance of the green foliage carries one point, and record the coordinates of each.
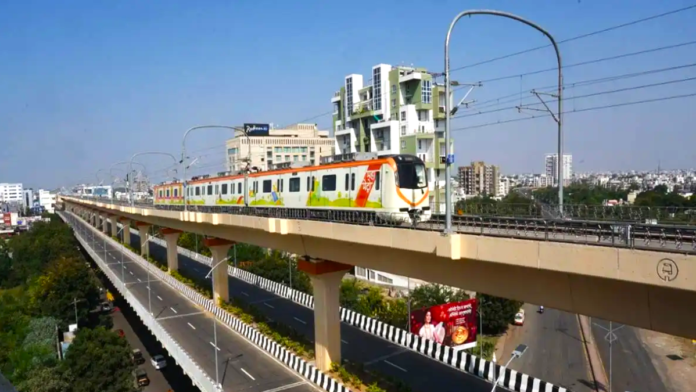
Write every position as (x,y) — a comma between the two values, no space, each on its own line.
(497,313)
(369,301)
(583,194)
(660,197)
(45,379)
(433,294)
(193,242)
(356,376)
(278,267)
(247,252)
(200,285)
(99,360)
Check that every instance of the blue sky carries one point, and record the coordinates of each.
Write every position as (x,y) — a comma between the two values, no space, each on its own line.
(85,84)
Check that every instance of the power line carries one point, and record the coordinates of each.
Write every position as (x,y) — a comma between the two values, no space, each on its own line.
(595,61)
(585,96)
(577,111)
(586,35)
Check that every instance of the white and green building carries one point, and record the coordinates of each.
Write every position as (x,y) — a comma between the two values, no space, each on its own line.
(401,110)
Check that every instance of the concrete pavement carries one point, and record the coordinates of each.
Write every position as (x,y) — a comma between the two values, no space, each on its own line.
(242,366)
(632,367)
(358,346)
(556,352)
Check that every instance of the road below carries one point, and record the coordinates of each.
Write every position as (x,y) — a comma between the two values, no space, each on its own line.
(632,368)
(556,352)
(421,373)
(242,365)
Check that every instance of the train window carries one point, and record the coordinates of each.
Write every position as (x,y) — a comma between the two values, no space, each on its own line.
(210,189)
(347,181)
(160,193)
(328,182)
(198,191)
(167,192)
(282,185)
(278,185)
(312,183)
(352,181)
(239,188)
(309,179)
(377,181)
(217,189)
(224,189)
(176,192)
(294,185)
(267,186)
(256,187)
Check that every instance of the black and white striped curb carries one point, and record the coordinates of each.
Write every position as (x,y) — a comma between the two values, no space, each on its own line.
(187,364)
(294,362)
(460,360)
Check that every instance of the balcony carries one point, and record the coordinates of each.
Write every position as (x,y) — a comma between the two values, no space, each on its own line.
(336,97)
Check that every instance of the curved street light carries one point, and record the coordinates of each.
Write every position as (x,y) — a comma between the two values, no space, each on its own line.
(99,181)
(122,163)
(183,152)
(557,117)
(130,167)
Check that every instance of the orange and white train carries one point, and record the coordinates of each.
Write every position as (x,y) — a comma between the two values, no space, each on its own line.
(391,188)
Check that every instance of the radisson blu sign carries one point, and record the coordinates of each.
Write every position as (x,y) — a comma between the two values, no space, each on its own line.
(256,129)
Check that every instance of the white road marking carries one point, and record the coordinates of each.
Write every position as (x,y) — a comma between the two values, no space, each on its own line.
(396,366)
(131,272)
(190,325)
(303,322)
(140,280)
(211,343)
(269,305)
(173,310)
(343,341)
(284,387)
(245,293)
(247,373)
(160,298)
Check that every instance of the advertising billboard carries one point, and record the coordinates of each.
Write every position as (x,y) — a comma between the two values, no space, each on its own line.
(257,129)
(453,324)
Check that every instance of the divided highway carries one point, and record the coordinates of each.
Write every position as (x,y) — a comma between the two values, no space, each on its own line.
(243,366)
(419,372)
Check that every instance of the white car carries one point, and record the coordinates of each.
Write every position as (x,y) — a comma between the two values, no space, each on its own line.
(159,362)
(519,317)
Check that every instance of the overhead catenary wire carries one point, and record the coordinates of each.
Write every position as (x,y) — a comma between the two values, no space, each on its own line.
(578,37)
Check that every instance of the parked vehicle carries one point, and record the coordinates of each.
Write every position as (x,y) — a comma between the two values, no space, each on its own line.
(137,357)
(519,317)
(159,362)
(141,378)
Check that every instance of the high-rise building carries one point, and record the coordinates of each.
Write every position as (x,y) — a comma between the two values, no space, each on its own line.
(400,110)
(28,200)
(47,200)
(11,192)
(480,179)
(297,143)
(551,163)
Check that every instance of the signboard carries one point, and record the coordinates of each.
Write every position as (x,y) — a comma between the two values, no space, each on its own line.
(453,324)
(256,129)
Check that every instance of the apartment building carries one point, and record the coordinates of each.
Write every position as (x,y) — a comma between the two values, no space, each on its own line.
(11,192)
(479,179)
(551,166)
(297,143)
(399,110)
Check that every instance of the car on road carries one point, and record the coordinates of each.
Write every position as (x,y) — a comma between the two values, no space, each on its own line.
(159,362)
(141,378)
(519,317)
(137,356)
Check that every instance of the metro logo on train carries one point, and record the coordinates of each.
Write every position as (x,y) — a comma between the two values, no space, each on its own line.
(390,188)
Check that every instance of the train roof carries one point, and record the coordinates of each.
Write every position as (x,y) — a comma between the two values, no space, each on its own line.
(343,160)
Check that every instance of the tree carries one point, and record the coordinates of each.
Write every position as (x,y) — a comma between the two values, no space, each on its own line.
(45,379)
(349,294)
(194,243)
(497,313)
(278,267)
(64,281)
(248,252)
(99,360)
(433,294)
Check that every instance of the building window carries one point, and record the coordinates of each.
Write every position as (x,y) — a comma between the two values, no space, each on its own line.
(360,271)
(377,88)
(294,184)
(295,158)
(403,116)
(403,144)
(420,144)
(403,130)
(384,279)
(304,158)
(393,89)
(328,183)
(393,103)
(349,96)
(426,93)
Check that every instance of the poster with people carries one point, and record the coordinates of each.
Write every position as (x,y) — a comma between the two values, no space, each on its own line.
(453,324)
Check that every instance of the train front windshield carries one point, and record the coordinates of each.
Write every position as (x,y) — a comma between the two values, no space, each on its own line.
(412,175)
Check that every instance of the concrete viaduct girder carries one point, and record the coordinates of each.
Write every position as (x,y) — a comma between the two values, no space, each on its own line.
(623,285)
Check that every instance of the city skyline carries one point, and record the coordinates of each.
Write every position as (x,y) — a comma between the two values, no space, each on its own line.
(68,113)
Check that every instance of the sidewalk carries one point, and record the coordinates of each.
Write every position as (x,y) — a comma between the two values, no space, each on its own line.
(673,357)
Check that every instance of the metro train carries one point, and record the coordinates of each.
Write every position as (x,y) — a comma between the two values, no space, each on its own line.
(355,187)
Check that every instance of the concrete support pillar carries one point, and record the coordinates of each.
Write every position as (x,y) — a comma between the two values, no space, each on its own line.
(171,236)
(219,248)
(326,281)
(144,229)
(104,224)
(126,230)
(114,225)
(93,219)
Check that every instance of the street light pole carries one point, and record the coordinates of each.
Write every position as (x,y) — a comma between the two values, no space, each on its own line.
(450,156)
(519,351)
(215,349)
(183,152)
(130,168)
